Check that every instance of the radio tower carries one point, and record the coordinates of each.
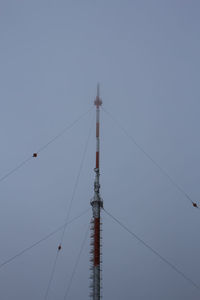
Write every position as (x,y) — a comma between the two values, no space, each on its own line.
(96,204)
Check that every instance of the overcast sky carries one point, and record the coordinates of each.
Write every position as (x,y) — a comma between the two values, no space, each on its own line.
(145,54)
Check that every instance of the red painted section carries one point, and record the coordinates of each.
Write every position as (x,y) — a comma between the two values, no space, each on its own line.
(98,102)
(97,130)
(96,242)
(97,160)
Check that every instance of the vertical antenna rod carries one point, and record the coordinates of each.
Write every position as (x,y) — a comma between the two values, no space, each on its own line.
(97,204)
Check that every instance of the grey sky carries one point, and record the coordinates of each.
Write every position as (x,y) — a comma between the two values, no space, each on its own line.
(145,54)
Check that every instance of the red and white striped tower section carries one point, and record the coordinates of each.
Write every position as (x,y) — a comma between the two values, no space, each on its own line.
(97,204)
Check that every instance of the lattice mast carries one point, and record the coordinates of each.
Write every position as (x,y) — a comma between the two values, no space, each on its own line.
(97,204)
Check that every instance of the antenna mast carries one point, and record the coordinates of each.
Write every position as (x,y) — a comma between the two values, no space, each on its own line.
(96,204)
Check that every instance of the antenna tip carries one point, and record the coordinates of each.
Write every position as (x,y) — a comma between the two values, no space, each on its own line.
(98,89)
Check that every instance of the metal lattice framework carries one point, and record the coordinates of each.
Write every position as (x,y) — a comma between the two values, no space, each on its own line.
(97,204)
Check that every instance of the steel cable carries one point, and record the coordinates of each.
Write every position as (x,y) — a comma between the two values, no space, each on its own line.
(68,212)
(40,241)
(43,147)
(76,263)
(172,266)
(150,158)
